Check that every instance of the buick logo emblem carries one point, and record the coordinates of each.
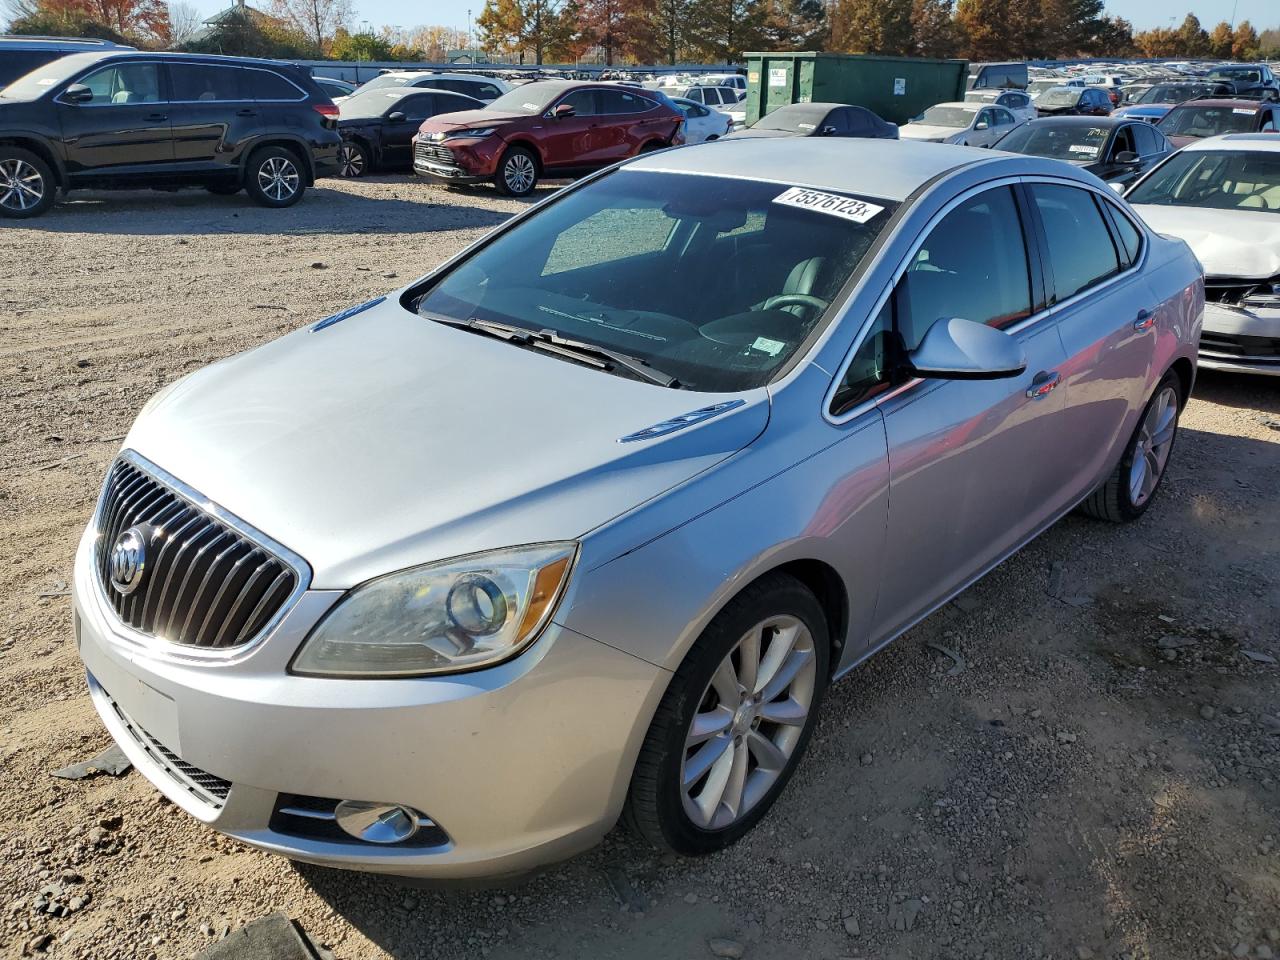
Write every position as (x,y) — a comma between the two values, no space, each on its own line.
(129,561)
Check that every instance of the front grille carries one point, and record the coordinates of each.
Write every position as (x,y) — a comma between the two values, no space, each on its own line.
(210,789)
(204,583)
(1234,290)
(299,815)
(433,153)
(1240,347)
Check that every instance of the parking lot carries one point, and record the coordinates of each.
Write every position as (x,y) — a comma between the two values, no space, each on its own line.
(1078,757)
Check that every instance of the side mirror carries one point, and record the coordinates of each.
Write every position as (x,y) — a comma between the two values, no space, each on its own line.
(395,116)
(827,131)
(562,111)
(956,349)
(77,93)
(1126,156)
(1117,187)
(982,125)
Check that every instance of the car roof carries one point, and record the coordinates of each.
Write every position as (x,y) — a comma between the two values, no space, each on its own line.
(892,169)
(442,74)
(127,53)
(1252,142)
(1222,102)
(1082,121)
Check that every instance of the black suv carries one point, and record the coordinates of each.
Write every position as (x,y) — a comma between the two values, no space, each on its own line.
(121,120)
(21,55)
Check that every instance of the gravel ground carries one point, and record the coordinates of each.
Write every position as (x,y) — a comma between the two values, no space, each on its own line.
(1098,780)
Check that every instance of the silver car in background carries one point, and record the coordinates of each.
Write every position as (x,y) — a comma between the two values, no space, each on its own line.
(582,524)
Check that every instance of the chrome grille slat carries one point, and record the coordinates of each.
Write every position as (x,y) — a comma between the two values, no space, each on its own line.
(208,582)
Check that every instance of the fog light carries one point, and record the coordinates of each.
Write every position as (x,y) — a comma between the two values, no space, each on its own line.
(377,822)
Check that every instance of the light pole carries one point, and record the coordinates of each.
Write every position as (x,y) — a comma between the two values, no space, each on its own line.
(468,43)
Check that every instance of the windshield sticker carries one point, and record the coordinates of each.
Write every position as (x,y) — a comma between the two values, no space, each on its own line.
(771,347)
(805,126)
(46,81)
(1245,110)
(1081,148)
(530,106)
(859,211)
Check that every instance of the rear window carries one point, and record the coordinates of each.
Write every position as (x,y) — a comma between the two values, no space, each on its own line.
(1193,121)
(268,85)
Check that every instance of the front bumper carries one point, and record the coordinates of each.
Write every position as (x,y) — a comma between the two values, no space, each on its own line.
(463,161)
(1241,340)
(519,765)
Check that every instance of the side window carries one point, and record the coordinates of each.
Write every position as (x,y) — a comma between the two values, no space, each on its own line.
(609,236)
(417,108)
(1080,249)
(869,370)
(268,85)
(487,91)
(983,118)
(835,119)
(194,82)
(1003,117)
(1271,124)
(952,276)
(452,103)
(126,83)
(582,101)
(695,95)
(1123,142)
(616,102)
(1149,142)
(700,111)
(1128,235)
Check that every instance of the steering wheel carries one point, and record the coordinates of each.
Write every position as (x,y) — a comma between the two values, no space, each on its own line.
(816,304)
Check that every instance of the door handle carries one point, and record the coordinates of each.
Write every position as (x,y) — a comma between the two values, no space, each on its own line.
(246,113)
(1043,384)
(1144,321)
(157,117)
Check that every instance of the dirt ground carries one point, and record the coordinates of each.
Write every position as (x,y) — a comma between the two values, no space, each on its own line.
(1099,780)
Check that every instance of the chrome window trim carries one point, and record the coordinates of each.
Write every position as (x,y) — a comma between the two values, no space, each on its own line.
(1049,313)
(186,652)
(222,66)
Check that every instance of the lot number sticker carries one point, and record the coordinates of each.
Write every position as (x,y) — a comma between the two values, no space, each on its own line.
(859,211)
(900,86)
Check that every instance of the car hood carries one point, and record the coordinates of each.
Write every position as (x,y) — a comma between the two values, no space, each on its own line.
(1228,243)
(387,440)
(470,118)
(1143,110)
(927,131)
(752,134)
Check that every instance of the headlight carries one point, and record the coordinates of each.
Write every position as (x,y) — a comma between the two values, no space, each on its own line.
(441,618)
(473,132)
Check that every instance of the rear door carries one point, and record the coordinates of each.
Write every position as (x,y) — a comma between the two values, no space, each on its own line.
(976,466)
(1101,304)
(209,102)
(629,121)
(124,130)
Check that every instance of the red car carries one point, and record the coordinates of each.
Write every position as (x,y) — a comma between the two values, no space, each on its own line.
(553,128)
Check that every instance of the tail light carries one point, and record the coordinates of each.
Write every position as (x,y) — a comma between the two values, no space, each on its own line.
(328,110)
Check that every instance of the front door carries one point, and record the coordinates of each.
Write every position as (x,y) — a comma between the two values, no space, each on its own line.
(975,465)
(124,129)
(401,122)
(567,141)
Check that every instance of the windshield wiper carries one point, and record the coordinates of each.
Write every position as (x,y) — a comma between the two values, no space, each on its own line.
(549,341)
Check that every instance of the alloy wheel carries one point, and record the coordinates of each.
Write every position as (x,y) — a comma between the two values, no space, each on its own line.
(519,172)
(278,177)
(748,723)
(21,185)
(350,161)
(1152,446)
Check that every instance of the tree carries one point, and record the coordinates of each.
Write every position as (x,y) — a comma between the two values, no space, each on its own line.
(184,23)
(435,41)
(246,32)
(933,28)
(1192,39)
(359,47)
(720,30)
(616,27)
(1112,38)
(1158,43)
(317,20)
(1244,42)
(1220,41)
(795,25)
(144,23)
(872,26)
(544,26)
(1269,44)
(990,29)
(670,27)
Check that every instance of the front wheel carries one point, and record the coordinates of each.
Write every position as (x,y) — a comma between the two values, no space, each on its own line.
(734,721)
(27,187)
(517,173)
(353,160)
(1128,492)
(273,177)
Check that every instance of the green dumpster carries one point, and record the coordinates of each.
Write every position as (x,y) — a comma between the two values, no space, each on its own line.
(897,88)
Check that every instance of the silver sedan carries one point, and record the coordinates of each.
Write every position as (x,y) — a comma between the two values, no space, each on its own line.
(582,524)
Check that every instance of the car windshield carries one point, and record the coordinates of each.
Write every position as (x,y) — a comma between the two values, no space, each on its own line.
(37,83)
(1056,140)
(792,119)
(1195,121)
(1220,179)
(713,281)
(1248,74)
(1059,97)
(529,99)
(948,116)
(1040,86)
(1169,94)
(386,80)
(368,104)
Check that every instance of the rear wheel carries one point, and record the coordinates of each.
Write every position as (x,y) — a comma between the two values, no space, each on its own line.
(353,160)
(734,721)
(517,173)
(273,177)
(1128,492)
(27,187)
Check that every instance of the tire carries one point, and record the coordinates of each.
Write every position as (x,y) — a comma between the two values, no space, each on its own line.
(353,159)
(273,177)
(658,806)
(651,146)
(27,186)
(1133,485)
(517,174)
(223,189)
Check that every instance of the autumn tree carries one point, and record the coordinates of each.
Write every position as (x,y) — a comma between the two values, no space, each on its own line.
(617,27)
(1220,40)
(1158,43)
(1244,42)
(1112,37)
(434,42)
(317,20)
(1269,44)
(795,25)
(720,30)
(933,28)
(184,22)
(872,26)
(544,26)
(669,21)
(990,29)
(142,22)
(1192,39)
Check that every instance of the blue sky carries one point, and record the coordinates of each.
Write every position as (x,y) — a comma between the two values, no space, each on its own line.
(1143,13)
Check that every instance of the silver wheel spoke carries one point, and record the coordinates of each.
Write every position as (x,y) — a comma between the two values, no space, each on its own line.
(783,642)
(707,725)
(795,662)
(704,759)
(749,661)
(731,799)
(725,683)
(766,752)
(784,711)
